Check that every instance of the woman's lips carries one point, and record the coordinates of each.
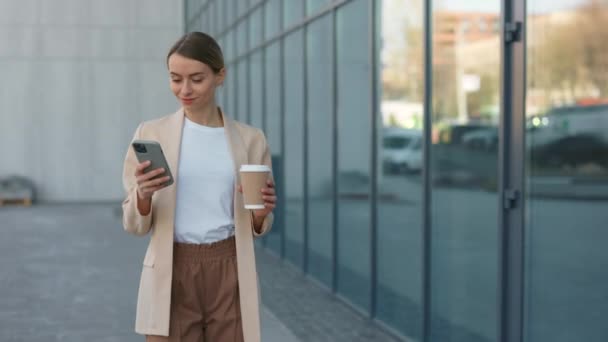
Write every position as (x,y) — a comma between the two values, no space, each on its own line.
(187,101)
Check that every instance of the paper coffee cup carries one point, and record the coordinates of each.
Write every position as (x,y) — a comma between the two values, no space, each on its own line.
(253,179)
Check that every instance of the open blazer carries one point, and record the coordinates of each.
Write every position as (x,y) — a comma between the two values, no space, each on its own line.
(247,146)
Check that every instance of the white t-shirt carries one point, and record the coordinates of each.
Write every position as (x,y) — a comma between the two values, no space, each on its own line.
(205,186)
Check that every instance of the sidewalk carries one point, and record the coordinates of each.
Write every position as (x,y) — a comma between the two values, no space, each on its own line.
(70,274)
(309,311)
(273,330)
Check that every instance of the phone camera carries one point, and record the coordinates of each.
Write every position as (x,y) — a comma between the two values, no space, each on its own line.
(140,148)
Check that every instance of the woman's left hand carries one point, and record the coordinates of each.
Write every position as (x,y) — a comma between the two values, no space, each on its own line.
(270,200)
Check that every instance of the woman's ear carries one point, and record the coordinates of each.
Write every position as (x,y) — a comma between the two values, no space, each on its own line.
(220,77)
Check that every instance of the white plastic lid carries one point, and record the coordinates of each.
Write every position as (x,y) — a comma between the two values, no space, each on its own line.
(254,168)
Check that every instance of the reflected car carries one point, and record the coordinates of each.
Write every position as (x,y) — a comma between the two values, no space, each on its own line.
(402,150)
(453,134)
(483,139)
(571,152)
(569,137)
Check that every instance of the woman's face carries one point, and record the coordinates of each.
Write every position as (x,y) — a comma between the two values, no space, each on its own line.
(193,82)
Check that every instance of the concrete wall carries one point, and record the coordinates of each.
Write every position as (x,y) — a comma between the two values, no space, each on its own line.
(76,77)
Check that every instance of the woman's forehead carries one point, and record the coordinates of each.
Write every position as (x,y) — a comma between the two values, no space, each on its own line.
(186,66)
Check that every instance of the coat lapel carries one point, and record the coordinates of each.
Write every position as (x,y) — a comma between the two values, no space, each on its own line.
(172,146)
(174,139)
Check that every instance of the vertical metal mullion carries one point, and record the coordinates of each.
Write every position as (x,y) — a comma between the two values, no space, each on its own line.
(374,158)
(282,191)
(214,14)
(263,65)
(248,57)
(263,29)
(237,77)
(426,170)
(222,18)
(335,142)
(185,15)
(306,159)
(511,177)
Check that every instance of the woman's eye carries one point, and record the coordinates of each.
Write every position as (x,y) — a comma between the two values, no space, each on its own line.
(175,80)
(197,80)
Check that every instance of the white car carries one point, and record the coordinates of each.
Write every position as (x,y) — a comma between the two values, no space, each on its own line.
(402,150)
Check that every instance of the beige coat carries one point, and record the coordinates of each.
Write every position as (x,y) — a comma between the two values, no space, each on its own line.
(248,146)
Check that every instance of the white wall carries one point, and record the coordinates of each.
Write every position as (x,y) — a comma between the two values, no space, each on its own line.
(76,77)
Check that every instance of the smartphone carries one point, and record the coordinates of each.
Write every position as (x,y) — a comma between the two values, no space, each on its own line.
(151,150)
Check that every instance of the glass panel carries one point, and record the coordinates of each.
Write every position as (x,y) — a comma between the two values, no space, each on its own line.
(567,172)
(242,6)
(229,54)
(354,155)
(464,158)
(320,150)
(207,21)
(221,16)
(191,8)
(294,148)
(399,149)
(242,109)
(272,17)
(230,11)
(293,11)
(211,18)
(194,25)
(255,28)
(273,93)
(241,34)
(255,88)
(231,90)
(313,6)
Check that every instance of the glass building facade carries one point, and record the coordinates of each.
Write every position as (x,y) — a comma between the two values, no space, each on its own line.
(442,166)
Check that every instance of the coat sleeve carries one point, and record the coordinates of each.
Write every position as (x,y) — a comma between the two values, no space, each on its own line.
(264,158)
(132,221)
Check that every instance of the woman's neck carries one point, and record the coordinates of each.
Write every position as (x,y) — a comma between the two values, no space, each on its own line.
(206,116)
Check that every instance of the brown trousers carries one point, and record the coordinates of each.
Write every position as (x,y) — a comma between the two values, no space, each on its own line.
(205,303)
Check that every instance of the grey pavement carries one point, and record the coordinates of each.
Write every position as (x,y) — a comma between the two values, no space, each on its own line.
(70,273)
(310,311)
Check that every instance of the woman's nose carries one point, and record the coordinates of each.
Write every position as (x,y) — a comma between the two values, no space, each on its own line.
(186,88)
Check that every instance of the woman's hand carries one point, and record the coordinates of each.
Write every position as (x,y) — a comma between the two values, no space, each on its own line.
(146,186)
(269,197)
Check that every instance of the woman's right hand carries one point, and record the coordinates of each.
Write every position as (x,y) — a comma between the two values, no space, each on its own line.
(146,186)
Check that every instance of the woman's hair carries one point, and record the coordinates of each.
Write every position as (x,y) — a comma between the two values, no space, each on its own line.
(201,47)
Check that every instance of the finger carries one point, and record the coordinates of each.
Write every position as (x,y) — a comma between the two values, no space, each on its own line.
(154,188)
(269,205)
(155,182)
(268,191)
(141,166)
(270,183)
(149,175)
(270,199)
(152,174)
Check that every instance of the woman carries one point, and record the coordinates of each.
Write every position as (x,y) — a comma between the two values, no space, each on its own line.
(191,288)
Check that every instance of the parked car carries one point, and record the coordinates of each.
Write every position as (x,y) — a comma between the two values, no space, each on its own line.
(483,139)
(569,137)
(572,152)
(402,150)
